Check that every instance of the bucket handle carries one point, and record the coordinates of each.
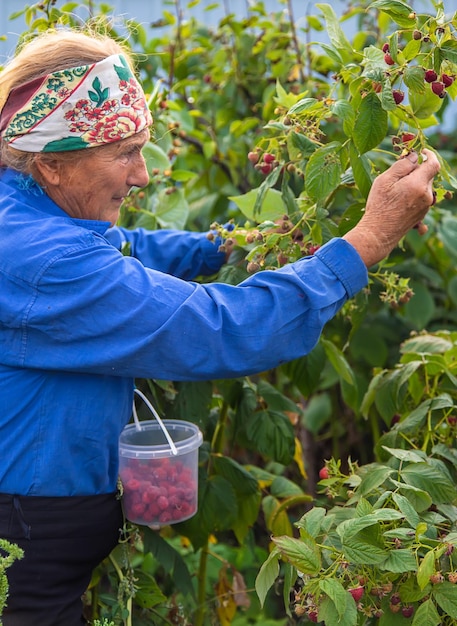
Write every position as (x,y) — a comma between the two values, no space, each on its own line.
(154,412)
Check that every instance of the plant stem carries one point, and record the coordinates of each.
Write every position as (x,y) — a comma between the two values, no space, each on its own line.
(201,594)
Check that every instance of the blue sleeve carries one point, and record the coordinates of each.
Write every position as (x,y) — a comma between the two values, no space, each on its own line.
(113,316)
(183,254)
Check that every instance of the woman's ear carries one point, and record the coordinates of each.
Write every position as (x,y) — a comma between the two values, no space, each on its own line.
(48,171)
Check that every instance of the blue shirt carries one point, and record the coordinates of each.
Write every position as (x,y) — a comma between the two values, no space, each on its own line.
(79,322)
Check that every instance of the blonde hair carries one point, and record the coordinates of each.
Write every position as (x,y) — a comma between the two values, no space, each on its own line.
(49,52)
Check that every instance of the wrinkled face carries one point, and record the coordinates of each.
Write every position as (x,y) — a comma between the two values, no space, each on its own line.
(94,186)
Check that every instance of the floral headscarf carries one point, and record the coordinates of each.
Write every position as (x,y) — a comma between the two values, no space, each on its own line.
(79,107)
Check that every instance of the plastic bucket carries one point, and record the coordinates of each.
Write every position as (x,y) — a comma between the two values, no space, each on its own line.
(160,482)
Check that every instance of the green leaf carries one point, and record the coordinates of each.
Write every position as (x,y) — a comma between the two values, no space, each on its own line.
(337,593)
(361,170)
(446,598)
(271,208)
(371,123)
(217,507)
(267,575)
(155,157)
(416,418)
(399,561)
(448,234)
(329,614)
(312,521)
(272,435)
(405,506)
(248,513)
(241,480)
(344,110)
(406,455)
(448,50)
(426,344)
(399,11)
(304,556)
(426,614)
(426,569)
(431,480)
(171,209)
(305,104)
(148,593)
(282,487)
(424,104)
(300,146)
(419,499)
(413,77)
(169,558)
(373,477)
(334,30)
(421,308)
(338,361)
(182,175)
(323,171)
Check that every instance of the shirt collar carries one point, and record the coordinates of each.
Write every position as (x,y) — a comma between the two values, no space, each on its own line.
(26,186)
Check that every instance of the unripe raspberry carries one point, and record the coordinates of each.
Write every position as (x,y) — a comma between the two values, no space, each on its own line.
(417,35)
(253,157)
(436,578)
(398,96)
(252,267)
(430,76)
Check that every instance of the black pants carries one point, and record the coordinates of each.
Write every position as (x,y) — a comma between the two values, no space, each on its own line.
(63,540)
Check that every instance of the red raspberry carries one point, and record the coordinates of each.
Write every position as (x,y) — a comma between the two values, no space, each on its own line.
(407,611)
(165,517)
(438,88)
(408,137)
(398,96)
(447,80)
(386,47)
(265,169)
(154,510)
(323,473)
(133,484)
(395,599)
(357,593)
(268,158)
(430,76)
(137,510)
(162,503)
(312,616)
(388,59)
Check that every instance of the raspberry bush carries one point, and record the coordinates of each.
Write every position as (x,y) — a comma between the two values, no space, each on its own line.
(270,136)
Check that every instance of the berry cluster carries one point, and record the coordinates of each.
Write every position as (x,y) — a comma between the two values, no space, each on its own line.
(438,84)
(158,491)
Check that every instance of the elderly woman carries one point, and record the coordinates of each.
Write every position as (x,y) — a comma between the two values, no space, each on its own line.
(79,321)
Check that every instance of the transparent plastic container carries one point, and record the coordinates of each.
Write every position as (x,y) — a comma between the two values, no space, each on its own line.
(159,471)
